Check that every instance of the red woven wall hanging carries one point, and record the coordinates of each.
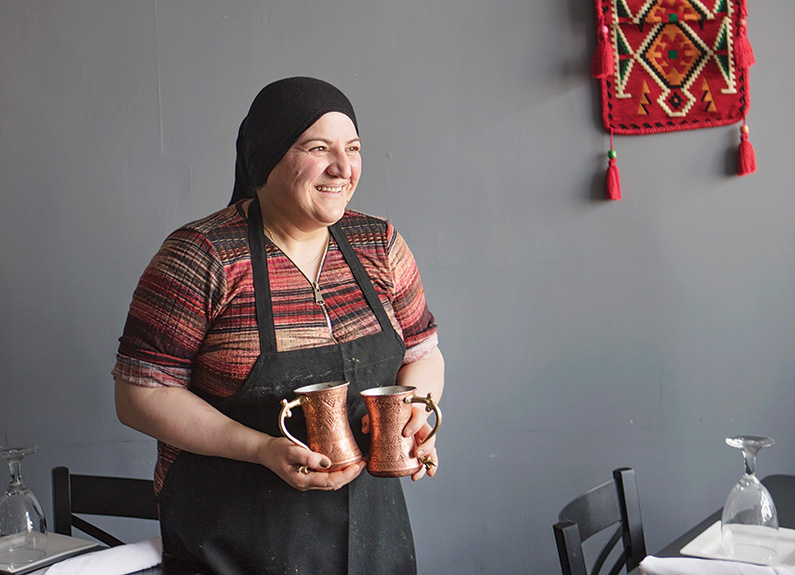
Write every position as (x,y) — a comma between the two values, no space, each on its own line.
(667,65)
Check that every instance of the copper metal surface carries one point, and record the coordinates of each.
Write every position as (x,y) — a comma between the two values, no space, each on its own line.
(327,427)
(392,454)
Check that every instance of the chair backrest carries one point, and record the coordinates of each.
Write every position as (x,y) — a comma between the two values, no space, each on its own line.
(99,495)
(612,504)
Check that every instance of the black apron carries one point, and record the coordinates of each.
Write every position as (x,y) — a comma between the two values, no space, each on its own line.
(239,518)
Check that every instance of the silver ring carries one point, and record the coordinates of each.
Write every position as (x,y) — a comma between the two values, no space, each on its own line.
(304,469)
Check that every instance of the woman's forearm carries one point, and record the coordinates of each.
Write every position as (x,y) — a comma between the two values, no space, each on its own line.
(180,418)
(426,374)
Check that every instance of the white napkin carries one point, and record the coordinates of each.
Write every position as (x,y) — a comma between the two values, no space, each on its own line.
(652,565)
(114,561)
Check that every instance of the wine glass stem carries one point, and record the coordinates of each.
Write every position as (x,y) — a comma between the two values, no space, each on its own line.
(750,461)
(16,471)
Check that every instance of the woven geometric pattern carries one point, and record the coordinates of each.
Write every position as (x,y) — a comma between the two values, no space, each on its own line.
(675,65)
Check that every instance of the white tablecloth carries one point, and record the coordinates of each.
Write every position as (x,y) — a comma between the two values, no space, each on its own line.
(114,561)
(652,565)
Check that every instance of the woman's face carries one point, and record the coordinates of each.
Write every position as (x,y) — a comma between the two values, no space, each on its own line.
(313,182)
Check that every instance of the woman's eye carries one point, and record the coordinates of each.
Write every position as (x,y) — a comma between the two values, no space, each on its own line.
(318,149)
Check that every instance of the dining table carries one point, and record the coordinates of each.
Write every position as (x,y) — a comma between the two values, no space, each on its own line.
(782,489)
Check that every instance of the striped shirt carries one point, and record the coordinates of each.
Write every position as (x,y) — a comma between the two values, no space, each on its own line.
(192,321)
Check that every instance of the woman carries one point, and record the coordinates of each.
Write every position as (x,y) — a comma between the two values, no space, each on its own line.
(283,288)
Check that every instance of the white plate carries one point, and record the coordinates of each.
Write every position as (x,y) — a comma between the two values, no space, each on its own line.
(708,545)
(59,547)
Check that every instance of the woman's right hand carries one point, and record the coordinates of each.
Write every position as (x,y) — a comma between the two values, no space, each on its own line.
(303,469)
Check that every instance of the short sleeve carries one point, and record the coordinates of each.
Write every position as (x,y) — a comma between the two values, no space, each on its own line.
(408,300)
(172,307)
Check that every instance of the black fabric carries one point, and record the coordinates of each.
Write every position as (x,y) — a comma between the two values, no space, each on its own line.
(280,113)
(242,519)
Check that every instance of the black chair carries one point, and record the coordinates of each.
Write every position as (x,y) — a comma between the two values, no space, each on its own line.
(99,495)
(614,503)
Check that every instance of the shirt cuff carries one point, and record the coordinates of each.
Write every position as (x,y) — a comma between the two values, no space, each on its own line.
(421,349)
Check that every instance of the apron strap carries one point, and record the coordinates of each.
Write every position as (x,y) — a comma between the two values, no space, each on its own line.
(262,288)
(262,284)
(361,277)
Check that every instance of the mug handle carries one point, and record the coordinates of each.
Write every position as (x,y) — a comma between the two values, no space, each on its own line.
(430,405)
(285,412)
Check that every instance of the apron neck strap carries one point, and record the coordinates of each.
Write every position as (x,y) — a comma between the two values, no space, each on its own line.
(262,288)
(361,277)
(262,284)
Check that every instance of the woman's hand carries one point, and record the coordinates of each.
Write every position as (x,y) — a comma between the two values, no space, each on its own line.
(427,376)
(419,428)
(303,469)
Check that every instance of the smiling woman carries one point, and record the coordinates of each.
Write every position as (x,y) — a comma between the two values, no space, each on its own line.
(284,288)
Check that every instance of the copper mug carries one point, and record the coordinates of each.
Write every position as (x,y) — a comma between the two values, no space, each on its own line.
(327,428)
(391,454)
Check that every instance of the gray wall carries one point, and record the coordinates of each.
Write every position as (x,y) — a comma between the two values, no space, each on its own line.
(580,335)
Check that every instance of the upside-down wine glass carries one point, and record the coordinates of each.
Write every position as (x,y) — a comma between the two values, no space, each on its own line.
(749,525)
(23,527)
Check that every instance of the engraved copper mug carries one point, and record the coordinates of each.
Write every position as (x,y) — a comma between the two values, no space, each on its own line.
(327,428)
(391,454)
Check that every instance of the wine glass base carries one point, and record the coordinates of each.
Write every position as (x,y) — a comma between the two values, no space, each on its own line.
(753,554)
(21,556)
(751,543)
(753,443)
(21,549)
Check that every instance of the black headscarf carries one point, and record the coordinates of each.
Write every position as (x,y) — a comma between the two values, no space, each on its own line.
(280,113)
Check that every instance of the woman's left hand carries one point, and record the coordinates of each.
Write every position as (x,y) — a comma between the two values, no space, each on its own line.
(419,427)
(426,376)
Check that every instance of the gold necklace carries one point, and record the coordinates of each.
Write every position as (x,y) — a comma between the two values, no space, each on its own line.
(313,260)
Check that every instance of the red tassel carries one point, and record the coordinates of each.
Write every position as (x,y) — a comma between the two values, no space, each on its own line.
(746,158)
(613,179)
(744,54)
(602,63)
